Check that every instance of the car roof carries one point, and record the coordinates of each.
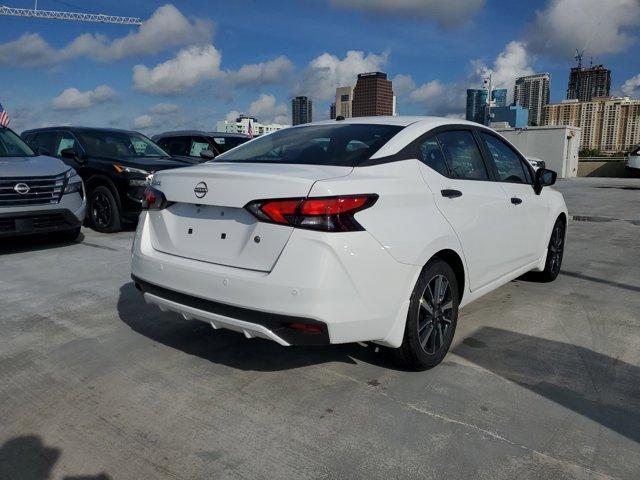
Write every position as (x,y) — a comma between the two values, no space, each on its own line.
(78,129)
(178,133)
(399,120)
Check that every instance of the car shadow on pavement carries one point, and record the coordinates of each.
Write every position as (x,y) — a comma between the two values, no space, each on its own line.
(34,243)
(599,387)
(198,338)
(27,458)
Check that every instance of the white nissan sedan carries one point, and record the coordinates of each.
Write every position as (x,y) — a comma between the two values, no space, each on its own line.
(367,229)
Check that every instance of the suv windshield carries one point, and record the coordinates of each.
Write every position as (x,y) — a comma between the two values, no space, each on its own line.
(11,145)
(118,144)
(346,145)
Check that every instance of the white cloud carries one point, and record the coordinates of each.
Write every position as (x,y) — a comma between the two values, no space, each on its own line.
(511,63)
(449,13)
(74,99)
(189,67)
(166,28)
(403,84)
(143,121)
(597,26)
(164,108)
(326,72)
(631,87)
(263,73)
(267,110)
(427,92)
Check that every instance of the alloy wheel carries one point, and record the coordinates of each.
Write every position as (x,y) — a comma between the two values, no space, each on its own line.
(435,314)
(556,247)
(100,209)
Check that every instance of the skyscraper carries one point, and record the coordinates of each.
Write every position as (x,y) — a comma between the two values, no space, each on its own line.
(532,92)
(344,102)
(499,97)
(585,84)
(476,103)
(372,95)
(301,110)
(332,111)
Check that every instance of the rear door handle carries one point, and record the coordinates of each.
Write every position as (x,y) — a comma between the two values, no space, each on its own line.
(516,200)
(451,193)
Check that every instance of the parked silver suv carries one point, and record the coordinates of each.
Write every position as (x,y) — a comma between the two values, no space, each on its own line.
(38,194)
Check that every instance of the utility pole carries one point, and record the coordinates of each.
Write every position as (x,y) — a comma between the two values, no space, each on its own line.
(58,15)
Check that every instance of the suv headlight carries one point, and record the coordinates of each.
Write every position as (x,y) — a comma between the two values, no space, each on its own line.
(135,182)
(74,185)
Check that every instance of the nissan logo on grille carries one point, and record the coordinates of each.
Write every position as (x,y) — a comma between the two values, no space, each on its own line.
(201,190)
(22,188)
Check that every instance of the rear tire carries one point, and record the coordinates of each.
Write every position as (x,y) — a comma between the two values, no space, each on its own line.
(104,215)
(555,252)
(432,317)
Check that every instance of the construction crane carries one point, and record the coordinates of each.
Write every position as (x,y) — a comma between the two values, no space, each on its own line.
(58,15)
(578,57)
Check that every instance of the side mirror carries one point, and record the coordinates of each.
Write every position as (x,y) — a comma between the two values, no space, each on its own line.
(69,153)
(207,154)
(42,151)
(543,178)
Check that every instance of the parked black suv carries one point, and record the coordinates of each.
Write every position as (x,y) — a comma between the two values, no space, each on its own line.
(196,146)
(116,166)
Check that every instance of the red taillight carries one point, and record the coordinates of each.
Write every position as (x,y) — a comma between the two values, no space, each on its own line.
(329,214)
(306,328)
(153,199)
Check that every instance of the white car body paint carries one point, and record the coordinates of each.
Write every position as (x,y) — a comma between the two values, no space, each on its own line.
(357,283)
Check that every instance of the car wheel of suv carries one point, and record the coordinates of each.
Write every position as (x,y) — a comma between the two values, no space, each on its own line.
(555,250)
(432,318)
(103,210)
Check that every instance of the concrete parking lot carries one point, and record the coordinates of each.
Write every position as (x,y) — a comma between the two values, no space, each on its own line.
(543,380)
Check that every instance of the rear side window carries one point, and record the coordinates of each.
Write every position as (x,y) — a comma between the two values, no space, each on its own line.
(346,145)
(431,155)
(462,155)
(508,163)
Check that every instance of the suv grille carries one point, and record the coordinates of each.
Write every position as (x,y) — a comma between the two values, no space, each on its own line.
(31,190)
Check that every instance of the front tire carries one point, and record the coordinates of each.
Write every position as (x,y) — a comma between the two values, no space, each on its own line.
(432,317)
(555,252)
(104,214)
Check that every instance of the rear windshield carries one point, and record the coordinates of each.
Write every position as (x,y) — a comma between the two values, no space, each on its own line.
(346,145)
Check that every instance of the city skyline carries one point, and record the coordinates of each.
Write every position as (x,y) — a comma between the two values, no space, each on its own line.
(186,68)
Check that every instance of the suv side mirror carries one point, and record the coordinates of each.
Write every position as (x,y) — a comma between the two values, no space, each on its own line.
(543,178)
(207,154)
(69,153)
(42,151)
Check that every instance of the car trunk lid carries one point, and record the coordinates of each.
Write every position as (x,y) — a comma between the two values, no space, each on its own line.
(208,222)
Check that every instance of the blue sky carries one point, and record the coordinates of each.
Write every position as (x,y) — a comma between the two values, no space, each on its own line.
(193,63)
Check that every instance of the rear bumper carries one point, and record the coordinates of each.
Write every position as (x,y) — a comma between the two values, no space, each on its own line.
(283,329)
(66,215)
(345,283)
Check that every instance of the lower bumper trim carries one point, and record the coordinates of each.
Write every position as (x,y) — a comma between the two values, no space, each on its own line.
(37,221)
(284,329)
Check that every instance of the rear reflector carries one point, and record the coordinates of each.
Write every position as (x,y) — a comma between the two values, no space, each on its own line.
(306,328)
(328,214)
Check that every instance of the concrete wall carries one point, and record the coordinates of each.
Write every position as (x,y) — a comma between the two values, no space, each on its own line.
(557,146)
(613,167)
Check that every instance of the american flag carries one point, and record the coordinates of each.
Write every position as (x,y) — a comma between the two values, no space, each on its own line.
(4,117)
(249,129)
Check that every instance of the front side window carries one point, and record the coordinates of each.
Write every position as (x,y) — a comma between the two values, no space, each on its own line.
(11,145)
(112,144)
(431,155)
(508,164)
(198,145)
(347,145)
(227,143)
(67,141)
(462,155)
